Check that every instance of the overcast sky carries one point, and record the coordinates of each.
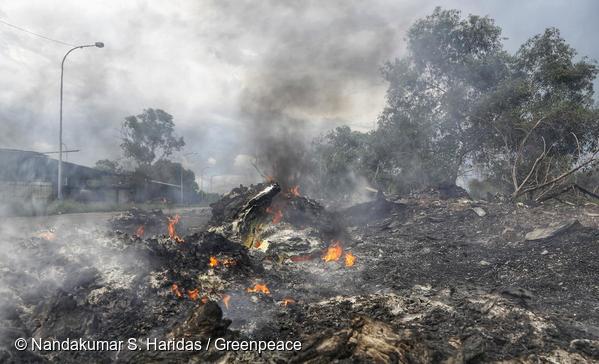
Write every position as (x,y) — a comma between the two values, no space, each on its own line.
(209,62)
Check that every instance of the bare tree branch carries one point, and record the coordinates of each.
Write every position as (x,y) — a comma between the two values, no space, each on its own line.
(591,160)
(519,155)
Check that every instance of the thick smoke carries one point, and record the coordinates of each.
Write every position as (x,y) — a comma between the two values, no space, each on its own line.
(233,73)
(304,73)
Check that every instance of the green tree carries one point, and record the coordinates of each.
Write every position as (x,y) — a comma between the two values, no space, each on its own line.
(166,171)
(451,62)
(457,100)
(340,159)
(540,122)
(149,136)
(108,165)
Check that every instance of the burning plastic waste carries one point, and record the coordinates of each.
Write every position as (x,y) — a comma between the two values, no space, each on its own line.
(226,262)
(333,252)
(350,259)
(287,301)
(294,191)
(140,231)
(226,299)
(277,214)
(259,288)
(176,291)
(193,294)
(172,233)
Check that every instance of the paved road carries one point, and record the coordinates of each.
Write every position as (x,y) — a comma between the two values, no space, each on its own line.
(192,218)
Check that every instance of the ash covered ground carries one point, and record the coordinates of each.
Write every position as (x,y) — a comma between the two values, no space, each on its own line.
(426,278)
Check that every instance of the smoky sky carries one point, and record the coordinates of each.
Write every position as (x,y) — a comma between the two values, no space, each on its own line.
(226,70)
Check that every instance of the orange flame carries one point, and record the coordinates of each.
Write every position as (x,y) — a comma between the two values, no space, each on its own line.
(350,259)
(333,252)
(140,231)
(176,291)
(287,301)
(193,294)
(294,191)
(172,233)
(277,214)
(226,299)
(213,262)
(259,288)
(277,217)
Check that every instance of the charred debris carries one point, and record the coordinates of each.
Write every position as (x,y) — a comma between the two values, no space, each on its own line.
(429,277)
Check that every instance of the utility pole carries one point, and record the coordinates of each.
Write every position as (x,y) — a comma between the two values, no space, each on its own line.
(59,182)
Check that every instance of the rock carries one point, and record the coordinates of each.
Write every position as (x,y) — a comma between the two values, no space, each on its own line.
(484,263)
(204,322)
(479,211)
(545,252)
(551,231)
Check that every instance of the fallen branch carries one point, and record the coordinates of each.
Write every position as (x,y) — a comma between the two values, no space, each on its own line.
(555,194)
(570,187)
(559,178)
(585,191)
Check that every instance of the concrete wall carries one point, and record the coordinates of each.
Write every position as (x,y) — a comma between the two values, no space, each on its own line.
(24,195)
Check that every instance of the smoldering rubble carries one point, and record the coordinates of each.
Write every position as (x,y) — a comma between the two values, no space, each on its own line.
(428,277)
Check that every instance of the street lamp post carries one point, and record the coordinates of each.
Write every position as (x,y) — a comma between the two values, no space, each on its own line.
(59,182)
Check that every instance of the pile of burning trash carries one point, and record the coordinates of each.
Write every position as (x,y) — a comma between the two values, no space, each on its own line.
(416,280)
(279,224)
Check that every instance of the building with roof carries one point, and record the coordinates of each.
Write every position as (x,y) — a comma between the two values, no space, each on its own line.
(28,177)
